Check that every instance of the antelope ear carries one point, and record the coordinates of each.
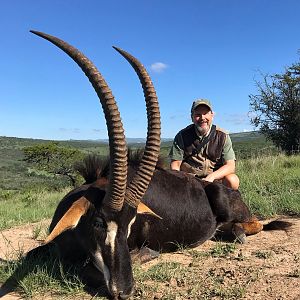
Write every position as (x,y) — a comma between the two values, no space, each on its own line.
(70,219)
(144,209)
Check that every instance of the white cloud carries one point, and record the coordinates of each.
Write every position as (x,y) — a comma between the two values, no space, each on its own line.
(158,67)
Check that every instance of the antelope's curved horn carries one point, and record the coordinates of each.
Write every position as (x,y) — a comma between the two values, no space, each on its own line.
(117,145)
(141,179)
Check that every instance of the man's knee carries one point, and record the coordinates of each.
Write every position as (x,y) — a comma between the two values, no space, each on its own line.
(232,181)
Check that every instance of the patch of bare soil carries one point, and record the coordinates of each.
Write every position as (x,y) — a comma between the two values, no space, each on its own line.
(266,267)
(18,240)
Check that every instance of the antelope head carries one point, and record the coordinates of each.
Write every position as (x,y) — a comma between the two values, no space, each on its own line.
(100,219)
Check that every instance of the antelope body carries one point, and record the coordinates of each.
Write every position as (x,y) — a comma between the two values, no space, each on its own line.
(190,210)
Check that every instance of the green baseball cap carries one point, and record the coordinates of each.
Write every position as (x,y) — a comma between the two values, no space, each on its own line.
(198,102)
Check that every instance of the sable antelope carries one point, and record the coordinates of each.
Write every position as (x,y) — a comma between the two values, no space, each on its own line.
(101,214)
(190,210)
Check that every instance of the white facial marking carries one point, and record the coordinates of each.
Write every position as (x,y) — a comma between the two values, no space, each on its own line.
(112,228)
(101,266)
(129,226)
(111,233)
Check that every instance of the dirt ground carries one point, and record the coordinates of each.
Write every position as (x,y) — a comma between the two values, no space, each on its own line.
(269,268)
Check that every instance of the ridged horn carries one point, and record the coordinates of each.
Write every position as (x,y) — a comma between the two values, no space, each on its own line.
(117,145)
(141,179)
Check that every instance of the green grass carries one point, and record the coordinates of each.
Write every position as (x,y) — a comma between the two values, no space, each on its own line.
(27,207)
(271,184)
(163,271)
(222,250)
(34,277)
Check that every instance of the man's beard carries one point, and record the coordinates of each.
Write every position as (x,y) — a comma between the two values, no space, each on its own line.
(202,130)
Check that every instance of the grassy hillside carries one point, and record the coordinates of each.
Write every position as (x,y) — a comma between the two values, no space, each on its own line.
(15,174)
(270,183)
(251,144)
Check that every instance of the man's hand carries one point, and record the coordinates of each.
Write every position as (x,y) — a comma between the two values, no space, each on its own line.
(175,165)
(226,169)
(210,177)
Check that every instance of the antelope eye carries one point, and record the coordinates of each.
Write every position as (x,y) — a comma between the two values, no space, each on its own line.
(99,223)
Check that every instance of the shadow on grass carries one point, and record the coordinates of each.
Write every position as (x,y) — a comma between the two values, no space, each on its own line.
(42,271)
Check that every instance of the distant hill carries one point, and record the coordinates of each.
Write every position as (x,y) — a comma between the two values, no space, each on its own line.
(243,140)
(134,140)
(14,172)
(249,135)
(253,136)
(14,141)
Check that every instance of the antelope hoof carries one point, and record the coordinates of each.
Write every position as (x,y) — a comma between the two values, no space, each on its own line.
(239,234)
(144,255)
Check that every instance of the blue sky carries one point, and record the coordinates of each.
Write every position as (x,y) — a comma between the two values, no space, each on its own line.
(191,49)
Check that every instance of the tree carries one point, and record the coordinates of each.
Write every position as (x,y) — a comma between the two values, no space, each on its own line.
(54,159)
(276,108)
